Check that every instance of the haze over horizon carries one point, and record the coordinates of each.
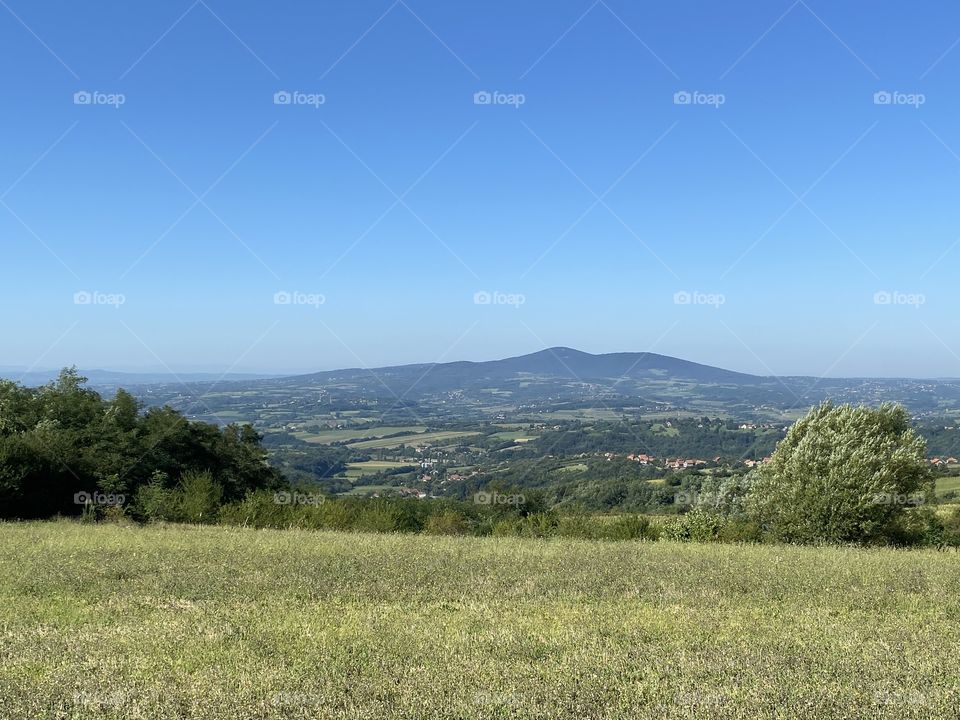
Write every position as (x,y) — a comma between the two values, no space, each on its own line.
(283,189)
(175,372)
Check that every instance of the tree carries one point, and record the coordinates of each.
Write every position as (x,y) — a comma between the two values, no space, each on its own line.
(845,474)
(63,439)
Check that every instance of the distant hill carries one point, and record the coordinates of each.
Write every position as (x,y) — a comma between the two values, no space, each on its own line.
(555,378)
(559,363)
(114,379)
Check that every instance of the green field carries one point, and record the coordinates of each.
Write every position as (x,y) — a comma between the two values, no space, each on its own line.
(364,490)
(372,467)
(518,435)
(184,622)
(947,484)
(348,434)
(419,439)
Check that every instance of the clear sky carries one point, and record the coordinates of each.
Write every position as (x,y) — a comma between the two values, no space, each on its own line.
(778,217)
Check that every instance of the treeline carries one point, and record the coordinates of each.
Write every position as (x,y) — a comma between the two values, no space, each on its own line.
(487,513)
(63,446)
(687,437)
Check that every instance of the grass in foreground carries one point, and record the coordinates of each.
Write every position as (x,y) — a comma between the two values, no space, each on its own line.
(218,622)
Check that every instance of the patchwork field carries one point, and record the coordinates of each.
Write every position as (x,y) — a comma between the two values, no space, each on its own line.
(418,439)
(947,484)
(348,434)
(372,467)
(216,622)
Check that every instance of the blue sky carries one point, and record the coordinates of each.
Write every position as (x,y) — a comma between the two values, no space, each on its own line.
(786,220)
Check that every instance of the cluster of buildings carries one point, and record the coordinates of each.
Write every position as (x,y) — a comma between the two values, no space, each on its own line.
(681,463)
(940,462)
(674,464)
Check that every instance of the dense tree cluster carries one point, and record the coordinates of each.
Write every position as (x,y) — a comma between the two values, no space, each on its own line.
(63,439)
(683,437)
(845,474)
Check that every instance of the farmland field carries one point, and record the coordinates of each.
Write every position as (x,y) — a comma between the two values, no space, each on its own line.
(108,621)
(418,439)
(372,467)
(948,484)
(348,434)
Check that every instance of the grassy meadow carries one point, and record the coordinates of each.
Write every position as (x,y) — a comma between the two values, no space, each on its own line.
(167,621)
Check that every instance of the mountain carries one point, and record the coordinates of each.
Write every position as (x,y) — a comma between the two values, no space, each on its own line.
(555,379)
(558,363)
(553,372)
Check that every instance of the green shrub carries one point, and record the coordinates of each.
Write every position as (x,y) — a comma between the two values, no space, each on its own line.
(578,526)
(197,498)
(952,528)
(633,527)
(694,526)
(447,522)
(844,474)
(739,530)
(384,515)
(154,501)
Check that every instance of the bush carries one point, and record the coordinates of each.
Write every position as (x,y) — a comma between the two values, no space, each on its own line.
(384,515)
(739,531)
(197,498)
(845,474)
(695,526)
(447,522)
(633,527)
(154,501)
